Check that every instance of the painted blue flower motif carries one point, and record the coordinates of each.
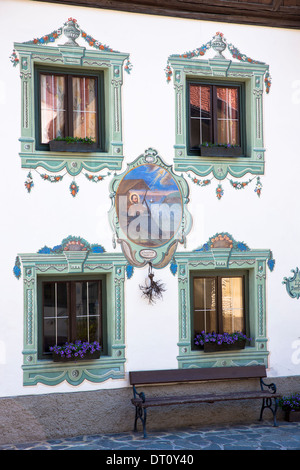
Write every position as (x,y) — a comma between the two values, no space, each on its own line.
(45,250)
(97,249)
(271,264)
(242,246)
(173,268)
(57,249)
(204,247)
(129,271)
(17,268)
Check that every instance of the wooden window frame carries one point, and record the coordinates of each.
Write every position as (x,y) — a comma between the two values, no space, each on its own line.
(215,151)
(68,75)
(218,278)
(72,333)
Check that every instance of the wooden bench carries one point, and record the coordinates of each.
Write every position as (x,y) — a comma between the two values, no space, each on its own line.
(268,395)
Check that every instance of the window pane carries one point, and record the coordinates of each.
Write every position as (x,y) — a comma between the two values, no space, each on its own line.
(200,115)
(87,311)
(228,116)
(232,304)
(49,299)
(52,107)
(62,299)
(205,315)
(56,319)
(84,107)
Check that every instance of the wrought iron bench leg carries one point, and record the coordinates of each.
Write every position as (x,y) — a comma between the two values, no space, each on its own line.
(267,403)
(140,413)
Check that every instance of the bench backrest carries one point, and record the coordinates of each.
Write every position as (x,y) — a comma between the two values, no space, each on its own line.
(196,375)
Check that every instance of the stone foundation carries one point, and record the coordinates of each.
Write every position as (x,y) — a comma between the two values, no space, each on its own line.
(37,417)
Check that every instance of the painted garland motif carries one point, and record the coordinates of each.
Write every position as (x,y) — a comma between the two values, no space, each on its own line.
(238,185)
(74,188)
(234,51)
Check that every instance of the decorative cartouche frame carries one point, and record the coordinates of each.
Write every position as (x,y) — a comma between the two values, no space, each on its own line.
(243,69)
(139,254)
(98,57)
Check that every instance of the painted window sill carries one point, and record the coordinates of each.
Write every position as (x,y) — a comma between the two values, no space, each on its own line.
(73,162)
(51,373)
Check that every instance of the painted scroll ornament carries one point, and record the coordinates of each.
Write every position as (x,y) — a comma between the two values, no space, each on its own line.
(292,284)
(148,214)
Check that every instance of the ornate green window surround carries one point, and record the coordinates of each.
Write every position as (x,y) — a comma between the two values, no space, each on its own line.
(71,57)
(224,259)
(252,75)
(60,263)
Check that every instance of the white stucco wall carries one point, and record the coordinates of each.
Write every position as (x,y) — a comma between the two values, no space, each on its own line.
(49,213)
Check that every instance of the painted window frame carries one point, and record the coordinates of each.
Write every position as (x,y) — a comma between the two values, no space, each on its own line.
(83,264)
(220,70)
(70,57)
(230,260)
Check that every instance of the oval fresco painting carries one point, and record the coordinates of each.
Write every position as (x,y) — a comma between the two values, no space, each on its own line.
(149,205)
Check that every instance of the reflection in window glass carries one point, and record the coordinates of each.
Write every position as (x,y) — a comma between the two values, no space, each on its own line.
(214,115)
(84,107)
(218,304)
(232,304)
(53,112)
(200,115)
(228,115)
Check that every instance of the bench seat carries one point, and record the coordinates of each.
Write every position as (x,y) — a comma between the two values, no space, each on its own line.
(269,396)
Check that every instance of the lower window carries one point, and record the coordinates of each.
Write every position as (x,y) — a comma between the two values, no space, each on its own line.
(71,310)
(219,303)
(215,119)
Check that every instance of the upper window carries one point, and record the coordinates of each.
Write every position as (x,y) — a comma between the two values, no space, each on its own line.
(219,111)
(214,119)
(69,105)
(63,90)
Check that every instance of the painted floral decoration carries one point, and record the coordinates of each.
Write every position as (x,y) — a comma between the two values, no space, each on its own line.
(74,188)
(234,51)
(29,182)
(54,35)
(219,191)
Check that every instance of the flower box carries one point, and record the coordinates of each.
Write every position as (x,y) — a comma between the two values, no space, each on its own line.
(64,146)
(217,342)
(215,347)
(78,351)
(87,357)
(219,151)
(292,416)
